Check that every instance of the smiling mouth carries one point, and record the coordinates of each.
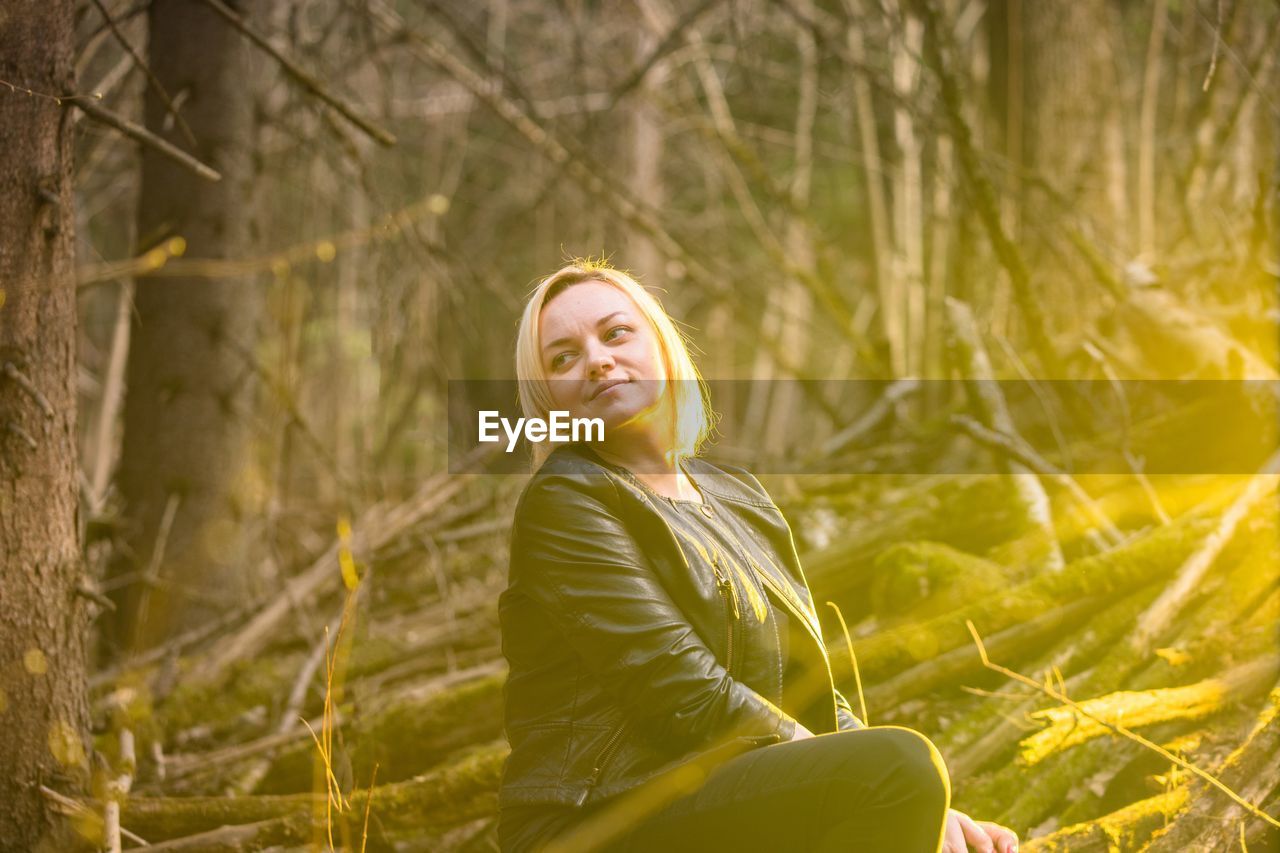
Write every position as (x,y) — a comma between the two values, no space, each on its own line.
(606,387)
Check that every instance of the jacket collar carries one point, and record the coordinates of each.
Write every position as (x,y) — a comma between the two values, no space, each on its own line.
(710,477)
(725,483)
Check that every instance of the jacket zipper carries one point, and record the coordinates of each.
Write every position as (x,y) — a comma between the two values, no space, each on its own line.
(732,612)
(605,754)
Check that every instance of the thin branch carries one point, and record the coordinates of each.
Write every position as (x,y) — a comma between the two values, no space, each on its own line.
(1017,449)
(304,79)
(151,77)
(90,107)
(86,591)
(884,405)
(938,53)
(1213,66)
(1118,729)
(20,379)
(674,35)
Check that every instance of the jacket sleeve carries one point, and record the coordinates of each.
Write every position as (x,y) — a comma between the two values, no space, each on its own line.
(572,555)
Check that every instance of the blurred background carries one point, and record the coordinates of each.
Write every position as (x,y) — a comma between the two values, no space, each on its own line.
(251,244)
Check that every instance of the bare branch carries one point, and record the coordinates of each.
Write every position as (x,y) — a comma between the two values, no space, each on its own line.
(1017,449)
(22,381)
(938,54)
(304,79)
(90,107)
(151,77)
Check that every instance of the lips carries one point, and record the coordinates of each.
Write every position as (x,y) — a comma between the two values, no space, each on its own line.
(605,386)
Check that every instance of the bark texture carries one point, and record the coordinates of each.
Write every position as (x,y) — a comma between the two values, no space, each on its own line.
(43,624)
(185,477)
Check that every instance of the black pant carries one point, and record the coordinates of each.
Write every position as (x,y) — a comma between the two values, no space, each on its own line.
(874,789)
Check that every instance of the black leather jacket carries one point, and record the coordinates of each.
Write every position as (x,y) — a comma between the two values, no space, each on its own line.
(616,647)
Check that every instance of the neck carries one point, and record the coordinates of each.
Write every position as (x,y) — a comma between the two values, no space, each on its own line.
(654,464)
(643,457)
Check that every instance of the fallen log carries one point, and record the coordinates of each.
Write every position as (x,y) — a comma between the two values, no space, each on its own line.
(1252,769)
(1233,603)
(1032,804)
(374,530)
(1125,829)
(406,733)
(990,730)
(1112,573)
(1191,571)
(1067,728)
(1008,644)
(410,730)
(462,791)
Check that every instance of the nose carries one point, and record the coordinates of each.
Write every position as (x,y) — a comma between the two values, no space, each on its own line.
(599,362)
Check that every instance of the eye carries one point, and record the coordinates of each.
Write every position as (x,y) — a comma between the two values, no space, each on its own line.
(608,336)
(558,361)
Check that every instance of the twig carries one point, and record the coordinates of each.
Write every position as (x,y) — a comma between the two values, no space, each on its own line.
(96,597)
(1022,452)
(151,576)
(937,54)
(151,77)
(174,647)
(16,429)
(857,676)
(304,79)
(992,694)
(1118,729)
(1208,77)
(112,397)
(674,35)
(118,788)
(71,806)
(20,379)
(368,802)
(137,132)
(879,410)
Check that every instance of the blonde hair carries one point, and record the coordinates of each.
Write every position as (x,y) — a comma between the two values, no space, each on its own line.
(692,413)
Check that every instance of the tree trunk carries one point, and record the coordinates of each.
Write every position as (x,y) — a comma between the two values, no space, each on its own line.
(43,623)
(185,475)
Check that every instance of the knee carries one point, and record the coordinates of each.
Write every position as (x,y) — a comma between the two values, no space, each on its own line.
(919,764)
(895,762)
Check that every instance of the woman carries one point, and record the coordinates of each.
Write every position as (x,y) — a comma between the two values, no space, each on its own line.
(669,687)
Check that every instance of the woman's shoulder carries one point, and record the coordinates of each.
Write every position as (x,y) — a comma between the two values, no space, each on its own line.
(569,474)
(725,480)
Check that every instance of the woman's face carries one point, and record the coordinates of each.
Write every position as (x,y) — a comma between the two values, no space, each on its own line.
(601,356)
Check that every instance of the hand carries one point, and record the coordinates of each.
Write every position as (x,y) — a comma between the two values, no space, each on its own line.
(801,733)
(983,835)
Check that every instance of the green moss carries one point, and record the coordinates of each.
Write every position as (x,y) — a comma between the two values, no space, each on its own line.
(924,579)
(402,736)
(259,681)
(1123,830)
(1115,572)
